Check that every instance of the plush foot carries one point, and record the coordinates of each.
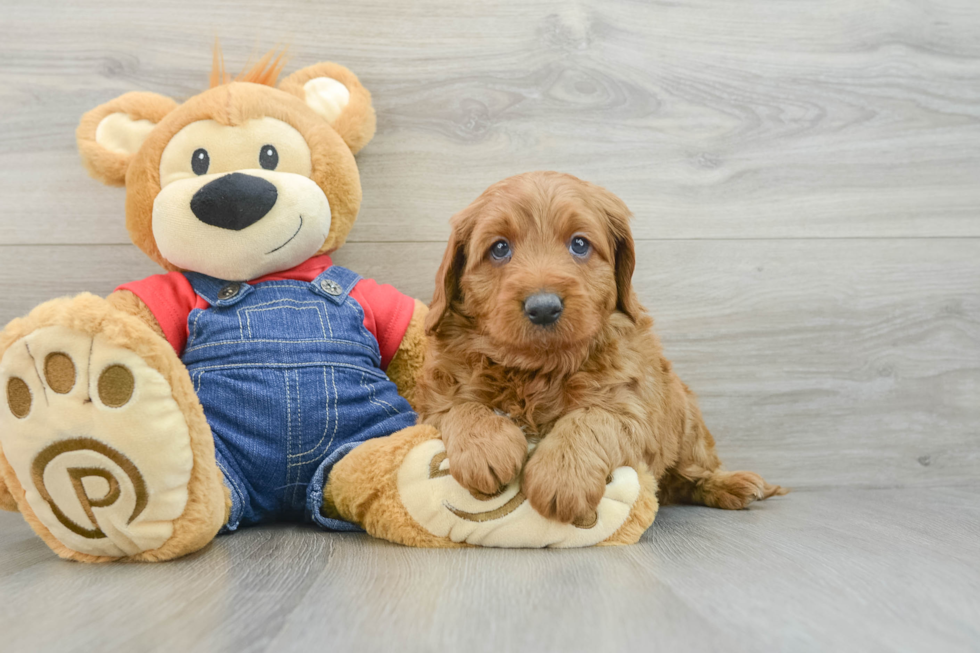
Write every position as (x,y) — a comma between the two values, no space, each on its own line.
(400,489)
(104,446)
(7,501)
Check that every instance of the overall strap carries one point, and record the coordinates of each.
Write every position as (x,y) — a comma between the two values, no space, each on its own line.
(335,284)
(217,292)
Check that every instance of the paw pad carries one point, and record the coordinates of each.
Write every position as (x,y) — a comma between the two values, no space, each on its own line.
(96,440)
(59,372)
(18,397)
(116,386)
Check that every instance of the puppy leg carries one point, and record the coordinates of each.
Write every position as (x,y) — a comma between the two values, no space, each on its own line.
(698,478)
(566,476)
(485,450)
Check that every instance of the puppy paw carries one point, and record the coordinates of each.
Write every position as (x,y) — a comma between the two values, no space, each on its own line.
(564,487)
(485,460)
(734,490)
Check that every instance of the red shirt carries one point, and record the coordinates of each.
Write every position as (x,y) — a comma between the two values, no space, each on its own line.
(171,298)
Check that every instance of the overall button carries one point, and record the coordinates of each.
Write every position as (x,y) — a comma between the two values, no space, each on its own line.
(229,291)
(331,287)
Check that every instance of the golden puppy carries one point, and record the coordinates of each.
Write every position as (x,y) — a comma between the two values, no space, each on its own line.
(536,332)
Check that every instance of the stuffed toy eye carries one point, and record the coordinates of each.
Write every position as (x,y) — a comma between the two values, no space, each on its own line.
(579,247)
(268,157)
(200,161)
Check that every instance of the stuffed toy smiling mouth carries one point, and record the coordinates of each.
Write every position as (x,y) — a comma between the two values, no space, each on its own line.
(291,238)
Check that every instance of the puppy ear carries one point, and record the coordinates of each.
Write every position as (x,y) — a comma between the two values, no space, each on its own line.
(447,278)
(337,96)
(109,135)
(618,218)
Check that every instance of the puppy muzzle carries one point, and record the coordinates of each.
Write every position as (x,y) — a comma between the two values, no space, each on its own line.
(543,308)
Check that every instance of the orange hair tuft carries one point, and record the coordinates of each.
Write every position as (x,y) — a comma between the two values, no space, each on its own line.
(265,71)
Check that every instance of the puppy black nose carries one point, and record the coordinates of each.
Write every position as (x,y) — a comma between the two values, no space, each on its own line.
(543,308)
(234,201)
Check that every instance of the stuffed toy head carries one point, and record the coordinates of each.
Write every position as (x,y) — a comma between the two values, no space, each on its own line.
(244,179)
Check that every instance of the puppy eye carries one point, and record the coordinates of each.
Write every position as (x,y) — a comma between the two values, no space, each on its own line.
(268,157)
(500,250)
(579,246)
(200,161)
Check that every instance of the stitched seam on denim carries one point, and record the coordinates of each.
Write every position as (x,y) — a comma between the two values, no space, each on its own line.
(279,341)
(364,330)
(329,323)
(233,484)
(283,300)
(296,301)
(299,429)
(354,281)
(280,284)
(381,375)
(193,335)
(289,430)
(303,306)
(336,409)
(326,425)
(381,403)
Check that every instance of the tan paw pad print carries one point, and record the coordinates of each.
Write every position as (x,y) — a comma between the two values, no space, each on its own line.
(443,507)
(96,440)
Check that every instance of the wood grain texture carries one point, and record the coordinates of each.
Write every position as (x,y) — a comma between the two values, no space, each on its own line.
(843,570)
(805,183)
(760,118)
(818,362)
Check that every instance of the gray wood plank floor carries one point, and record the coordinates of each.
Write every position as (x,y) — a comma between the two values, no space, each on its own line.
(806,184)
(840,570)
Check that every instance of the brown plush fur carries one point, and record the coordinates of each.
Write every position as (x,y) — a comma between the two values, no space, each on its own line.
(406,365)
(363,489)
(356,125)
(7,501)
(642,513)
(126,322)
(127,302)
(108,166)
(332,145)
(207,499)
(594,385)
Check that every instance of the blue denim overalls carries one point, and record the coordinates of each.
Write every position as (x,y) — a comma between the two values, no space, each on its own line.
(290,380)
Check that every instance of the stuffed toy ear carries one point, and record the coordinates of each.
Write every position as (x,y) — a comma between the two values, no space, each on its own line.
(110,134)
(337,96)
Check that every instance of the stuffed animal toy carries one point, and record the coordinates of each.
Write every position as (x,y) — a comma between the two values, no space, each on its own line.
(255,380)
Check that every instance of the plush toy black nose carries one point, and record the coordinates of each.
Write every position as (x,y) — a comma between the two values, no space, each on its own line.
(543,308)
(234,201)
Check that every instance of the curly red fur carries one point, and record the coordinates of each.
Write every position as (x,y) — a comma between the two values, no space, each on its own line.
(594,387)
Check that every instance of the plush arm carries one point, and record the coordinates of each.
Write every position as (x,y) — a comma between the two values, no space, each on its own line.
(406,366)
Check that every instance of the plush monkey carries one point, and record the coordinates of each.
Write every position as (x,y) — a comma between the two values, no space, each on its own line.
(254,380)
